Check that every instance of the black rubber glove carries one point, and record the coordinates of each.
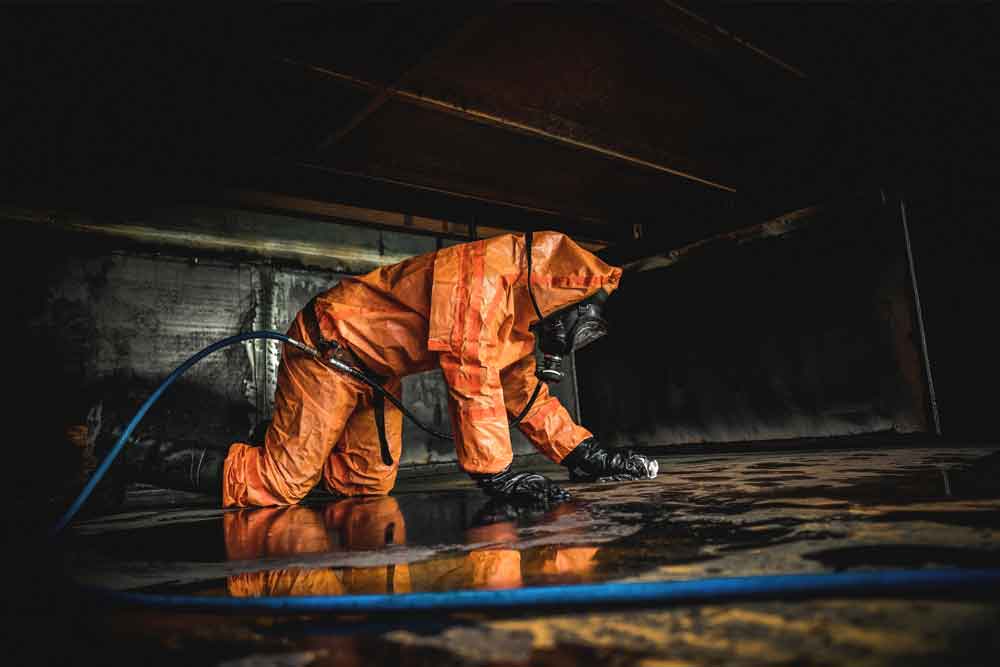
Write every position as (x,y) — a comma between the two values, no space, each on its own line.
(590,462)
(523,487)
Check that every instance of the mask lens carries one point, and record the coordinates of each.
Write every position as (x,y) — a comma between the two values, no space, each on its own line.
(587,331)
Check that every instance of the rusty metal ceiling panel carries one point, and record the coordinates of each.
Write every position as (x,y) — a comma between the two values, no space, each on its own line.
(590,73)
(417,145)
(598,78)
(595,115)
(375,41)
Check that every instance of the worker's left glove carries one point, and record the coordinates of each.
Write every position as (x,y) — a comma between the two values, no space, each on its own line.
(526,487)
(590,462)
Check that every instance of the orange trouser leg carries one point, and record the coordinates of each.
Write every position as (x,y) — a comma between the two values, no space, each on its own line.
(312,406)
(355,467)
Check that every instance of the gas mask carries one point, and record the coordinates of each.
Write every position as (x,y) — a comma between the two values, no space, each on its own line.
(566,330)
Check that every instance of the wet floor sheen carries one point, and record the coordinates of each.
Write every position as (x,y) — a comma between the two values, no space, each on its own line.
(704,516)
(775,513)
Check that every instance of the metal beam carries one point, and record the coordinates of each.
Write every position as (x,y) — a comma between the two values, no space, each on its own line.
(779,226)
(716,30)
(384,93)
(268,201)
(338,255)
(452,193)
(403,222)
(935,414)
(493,120)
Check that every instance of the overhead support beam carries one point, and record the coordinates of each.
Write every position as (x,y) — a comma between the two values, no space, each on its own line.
(784,224)
(493,120)
(402,222)
(212,233)
(342,254)
(714,30)
(453,193)
(278,203)
(385,92)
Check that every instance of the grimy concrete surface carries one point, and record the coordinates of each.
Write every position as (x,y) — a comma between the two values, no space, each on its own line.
(706,515)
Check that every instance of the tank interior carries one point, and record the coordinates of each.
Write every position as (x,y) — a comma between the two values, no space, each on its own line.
(801,200)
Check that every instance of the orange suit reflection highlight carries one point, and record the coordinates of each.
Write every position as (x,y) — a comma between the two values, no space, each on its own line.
(370,524)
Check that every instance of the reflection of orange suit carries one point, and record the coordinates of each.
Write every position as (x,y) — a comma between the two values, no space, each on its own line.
(465,309)
(373,523)
(498,566)
(352,523)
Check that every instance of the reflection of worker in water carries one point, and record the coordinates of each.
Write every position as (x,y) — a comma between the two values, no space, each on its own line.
(369,524)
(467,309)
(350,524)
(502,566)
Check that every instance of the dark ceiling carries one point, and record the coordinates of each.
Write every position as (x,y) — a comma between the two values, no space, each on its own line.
(590,118)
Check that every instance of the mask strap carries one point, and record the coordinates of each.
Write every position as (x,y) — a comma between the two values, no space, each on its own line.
(527,240)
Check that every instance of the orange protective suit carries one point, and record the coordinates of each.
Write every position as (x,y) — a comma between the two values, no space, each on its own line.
(465,309)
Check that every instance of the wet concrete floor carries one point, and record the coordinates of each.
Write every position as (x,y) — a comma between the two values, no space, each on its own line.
(704,516)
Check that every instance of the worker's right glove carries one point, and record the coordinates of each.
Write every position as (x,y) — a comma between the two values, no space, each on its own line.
(523,487)
(590,462)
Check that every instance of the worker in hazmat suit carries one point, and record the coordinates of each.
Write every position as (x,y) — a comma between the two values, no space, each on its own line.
(473,310)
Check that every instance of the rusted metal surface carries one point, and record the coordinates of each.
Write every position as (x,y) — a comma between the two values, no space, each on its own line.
(412,144)
(463,32)
(485,207)
(643,121)
(452,193)
(494,120)
(707,37)
(232,232)
(335,211)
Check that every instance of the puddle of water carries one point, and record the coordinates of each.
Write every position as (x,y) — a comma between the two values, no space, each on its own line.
(457,540)
(836,515)
(409,543)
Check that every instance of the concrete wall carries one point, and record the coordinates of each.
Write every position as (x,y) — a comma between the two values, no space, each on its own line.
(806,335)
(116,306)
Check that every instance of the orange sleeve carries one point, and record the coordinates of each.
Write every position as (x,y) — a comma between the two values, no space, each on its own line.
(467,300)
(548,426)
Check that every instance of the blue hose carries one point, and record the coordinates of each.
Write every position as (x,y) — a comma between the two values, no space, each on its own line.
(895,582)
(596,596)
(336,364)
(109,458)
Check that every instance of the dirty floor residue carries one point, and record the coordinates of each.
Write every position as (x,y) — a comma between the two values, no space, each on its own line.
(704,516)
